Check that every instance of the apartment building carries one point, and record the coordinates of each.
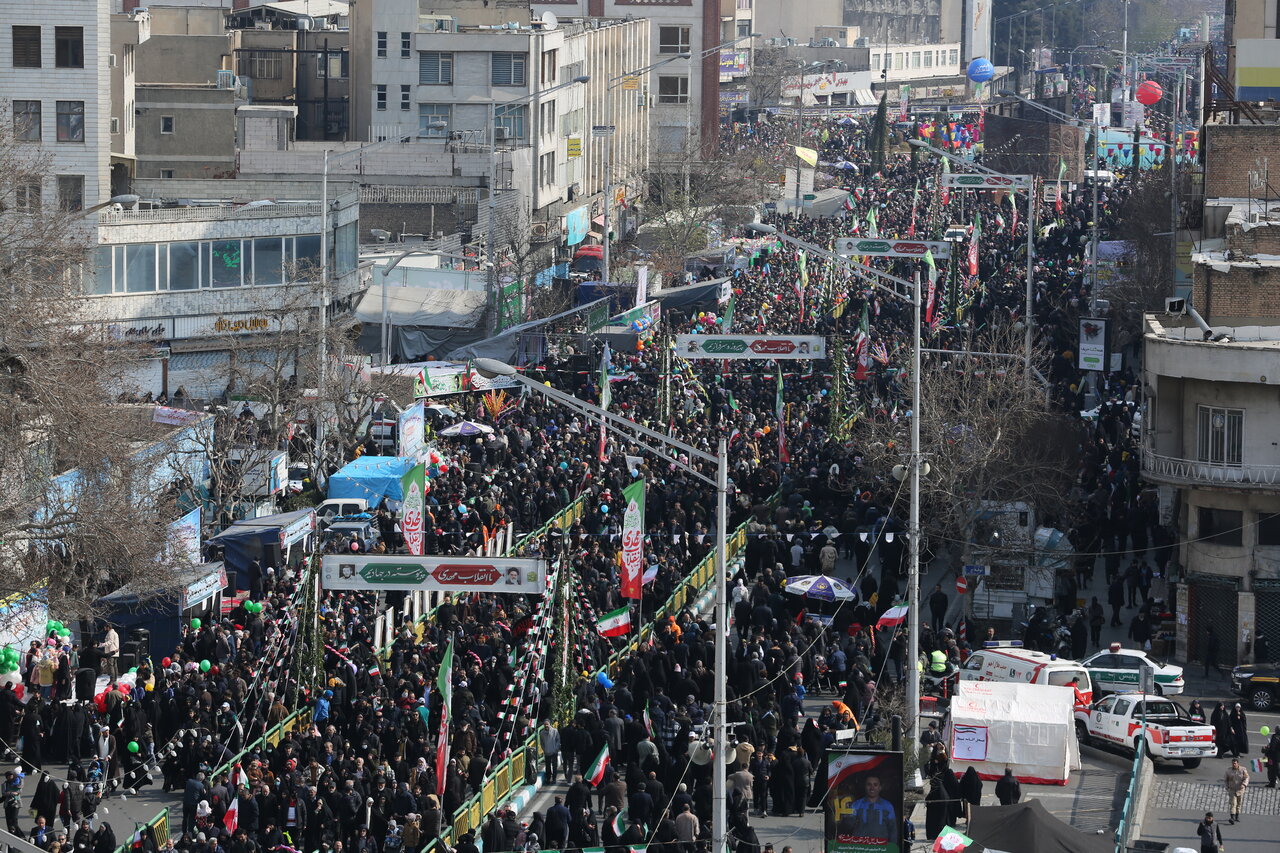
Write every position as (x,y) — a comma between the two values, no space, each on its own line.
(55,85)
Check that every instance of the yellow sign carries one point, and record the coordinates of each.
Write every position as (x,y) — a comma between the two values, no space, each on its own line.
(620,196)
(573,146)
(630,84)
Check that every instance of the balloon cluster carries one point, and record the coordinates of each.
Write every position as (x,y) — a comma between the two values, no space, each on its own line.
(8,659)
(253,606)
(53,626)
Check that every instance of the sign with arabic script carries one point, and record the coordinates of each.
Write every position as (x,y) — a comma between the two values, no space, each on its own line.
(443,574)
(751,346)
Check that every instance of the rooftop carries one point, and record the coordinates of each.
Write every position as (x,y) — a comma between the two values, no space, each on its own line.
(1184,330)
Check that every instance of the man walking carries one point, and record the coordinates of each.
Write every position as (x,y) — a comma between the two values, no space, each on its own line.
(938,603)
(1210,834)
(1237,781)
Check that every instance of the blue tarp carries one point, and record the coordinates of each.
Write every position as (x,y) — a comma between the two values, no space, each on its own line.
(370,477)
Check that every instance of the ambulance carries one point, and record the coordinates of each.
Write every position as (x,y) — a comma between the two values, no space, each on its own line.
(1007,660)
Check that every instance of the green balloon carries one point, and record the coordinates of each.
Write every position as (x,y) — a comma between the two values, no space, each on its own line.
(133,669)
(195,624)
(133,746)
(205,666)
(1265,731)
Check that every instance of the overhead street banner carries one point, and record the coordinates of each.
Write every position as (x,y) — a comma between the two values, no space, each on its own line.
(892,248)
(959,180)
(392,572)
(750,346)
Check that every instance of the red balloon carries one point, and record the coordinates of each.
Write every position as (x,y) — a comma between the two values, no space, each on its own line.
(19,690)
(166,662)
(124,688)
(1149,93)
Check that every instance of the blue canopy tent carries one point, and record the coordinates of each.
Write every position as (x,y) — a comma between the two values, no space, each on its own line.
(266,539)
(372,478)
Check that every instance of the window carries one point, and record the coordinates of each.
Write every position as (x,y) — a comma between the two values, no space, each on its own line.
(508,122)
(1220,435)
(166,124)
(1221,526)
(429,114)
(547,118)
(226,262)
(1269,529)
(897,61)
(268,260)
(380,96)
(166,173)
(547,169)
(875,62)
(915,59)
(550,66)
(744,29)
(115,125)
(26,121)
(71,121)
(260,65)
(346,248)
(406,45)
(1127,662)
(954,57)
(673,40)
(928,59)
(673,90)
(404,98)
(26,47)
(1122,707)
(68,47)
(26,196)
(508,69)
(382,43)
(139,266)
(71,192)
(306,255)
(184,266)
(435,68)
(975,662)
(333,65)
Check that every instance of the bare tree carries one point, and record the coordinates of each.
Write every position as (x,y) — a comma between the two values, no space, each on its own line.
(85,501)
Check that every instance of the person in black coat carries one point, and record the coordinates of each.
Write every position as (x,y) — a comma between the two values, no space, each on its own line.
(1221,723)
(493,835)
(1008,789)
(1239,724)
(935,810)
(557,825)
(971,790)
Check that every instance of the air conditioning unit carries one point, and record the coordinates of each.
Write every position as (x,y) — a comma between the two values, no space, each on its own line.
(226,79)
(538,230)
(499,133)
(111,60)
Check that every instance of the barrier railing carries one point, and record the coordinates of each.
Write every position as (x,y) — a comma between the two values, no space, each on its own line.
(1125,832)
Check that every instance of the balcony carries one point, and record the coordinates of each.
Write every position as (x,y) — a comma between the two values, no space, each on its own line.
(1189,472)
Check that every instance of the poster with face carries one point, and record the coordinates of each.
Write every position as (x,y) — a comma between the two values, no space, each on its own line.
(864,802)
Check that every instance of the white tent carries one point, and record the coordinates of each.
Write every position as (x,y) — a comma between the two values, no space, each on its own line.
(1028,728)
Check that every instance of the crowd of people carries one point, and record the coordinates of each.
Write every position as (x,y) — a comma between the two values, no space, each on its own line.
(358,771)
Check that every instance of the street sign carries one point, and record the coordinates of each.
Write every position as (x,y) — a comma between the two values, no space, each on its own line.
(1168,63)
(630,84)
(962,180)
(972,571)
(1147,679)
(603,129)
(962,585)
(573,147)
(451,574)
(893,248)
(751,347)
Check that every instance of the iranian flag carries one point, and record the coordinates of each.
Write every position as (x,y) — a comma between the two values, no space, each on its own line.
(595,773)
(780,411)
(951,840)
(893,617)
(1062,171)
(231,820)
(615,624)
(633,539)
(444,684)
(606,397)
(620,822)
(414,484)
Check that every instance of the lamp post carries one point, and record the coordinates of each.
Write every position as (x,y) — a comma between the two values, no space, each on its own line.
(632,431)
(614,82)
(1031,230)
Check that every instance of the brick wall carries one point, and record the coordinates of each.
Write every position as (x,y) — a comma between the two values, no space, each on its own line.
(1241,296)
(1262,240)
(1230,151)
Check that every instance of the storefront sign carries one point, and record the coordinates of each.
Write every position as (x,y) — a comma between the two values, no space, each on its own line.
(199,591)
(573,146)
(751,347)
(298,530)
(444,574)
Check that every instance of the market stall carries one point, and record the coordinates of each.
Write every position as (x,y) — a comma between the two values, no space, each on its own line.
(1028,728)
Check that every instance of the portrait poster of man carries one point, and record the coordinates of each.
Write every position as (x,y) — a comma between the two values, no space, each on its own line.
(864,802)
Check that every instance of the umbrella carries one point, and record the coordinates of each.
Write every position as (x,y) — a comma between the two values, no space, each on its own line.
(467,428)
(820,587)
(443,411)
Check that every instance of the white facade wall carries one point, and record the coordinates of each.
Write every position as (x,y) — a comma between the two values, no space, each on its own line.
(90,85)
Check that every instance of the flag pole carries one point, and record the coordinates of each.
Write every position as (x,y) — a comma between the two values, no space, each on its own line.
(913,536)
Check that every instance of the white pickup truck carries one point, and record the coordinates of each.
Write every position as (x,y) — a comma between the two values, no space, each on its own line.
(1171,734)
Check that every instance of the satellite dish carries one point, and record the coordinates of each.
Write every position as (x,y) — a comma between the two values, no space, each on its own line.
(549,20)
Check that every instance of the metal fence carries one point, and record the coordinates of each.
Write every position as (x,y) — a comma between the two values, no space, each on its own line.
(1126,832)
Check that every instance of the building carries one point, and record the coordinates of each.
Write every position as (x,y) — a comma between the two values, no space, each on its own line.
(887,23)
(1250,29)
(1209,430)
(783,19)
(55,85)
(210,281)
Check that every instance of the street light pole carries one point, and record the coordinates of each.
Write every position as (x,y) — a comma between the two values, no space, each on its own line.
(913,523)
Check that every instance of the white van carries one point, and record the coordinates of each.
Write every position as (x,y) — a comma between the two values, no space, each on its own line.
(1009,661)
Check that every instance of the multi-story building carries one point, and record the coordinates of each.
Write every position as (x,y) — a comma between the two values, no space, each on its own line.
(55,84)
(1209,431)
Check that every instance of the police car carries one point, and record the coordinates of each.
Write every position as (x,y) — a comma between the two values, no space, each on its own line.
(1117,670)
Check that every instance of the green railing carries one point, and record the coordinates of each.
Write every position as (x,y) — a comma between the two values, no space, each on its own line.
(1125,832)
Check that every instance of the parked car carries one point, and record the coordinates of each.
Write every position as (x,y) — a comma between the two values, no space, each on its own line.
(1258,684)
(1117,668)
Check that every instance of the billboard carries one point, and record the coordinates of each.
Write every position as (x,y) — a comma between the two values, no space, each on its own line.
(734,63)
(1257,70)
(963,180)
(1093,349)
(390,572)
(864,802)
(411,431)
(893,248)
(978,18)
(751,346)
